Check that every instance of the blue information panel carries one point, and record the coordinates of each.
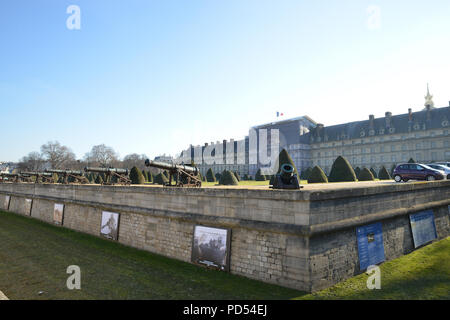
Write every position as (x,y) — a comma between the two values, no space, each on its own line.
(370,245)
(423,227)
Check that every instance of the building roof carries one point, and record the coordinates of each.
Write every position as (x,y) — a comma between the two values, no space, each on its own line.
(430,118)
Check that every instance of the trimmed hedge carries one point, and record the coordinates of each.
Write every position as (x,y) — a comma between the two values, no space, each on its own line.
(357,172)
(259,176)
(366,175)
(317,176)
(374,173)
(210,177)
(228,178)
(136,176)
(384,174)
(341,171)
(283,158)
(161,179)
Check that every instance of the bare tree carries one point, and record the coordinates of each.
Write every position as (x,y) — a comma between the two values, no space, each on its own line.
(101,155)
(57,155)
(34,161)
(134,160)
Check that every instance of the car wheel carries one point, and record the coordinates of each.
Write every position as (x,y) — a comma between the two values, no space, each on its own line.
(397,178)
(431,178)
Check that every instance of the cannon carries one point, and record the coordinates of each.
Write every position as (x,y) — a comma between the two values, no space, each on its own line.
(120,174)
(41,177)
(286,179)
(185,176)
(15,177)
(77,176)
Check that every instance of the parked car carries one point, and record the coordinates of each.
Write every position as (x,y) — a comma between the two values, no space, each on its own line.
(441,167)
(447,164)
(416,171)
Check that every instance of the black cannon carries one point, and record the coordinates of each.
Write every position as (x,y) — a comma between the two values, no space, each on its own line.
(120,174)
(184,176)
(40,177)
(75,175)
(286,179)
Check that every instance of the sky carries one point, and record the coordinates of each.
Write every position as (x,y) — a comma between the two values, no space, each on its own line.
(154,76)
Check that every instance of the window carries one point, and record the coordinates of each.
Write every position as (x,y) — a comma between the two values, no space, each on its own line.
(392,148)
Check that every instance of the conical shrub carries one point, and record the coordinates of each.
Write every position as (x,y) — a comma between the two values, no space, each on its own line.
(210,177)
(366,175)
(341,171)
(357,172)
(383,174)
(283,158)
(259,176)
(136,176)
(374,173)
(160,179)
(317,176)
(228,178)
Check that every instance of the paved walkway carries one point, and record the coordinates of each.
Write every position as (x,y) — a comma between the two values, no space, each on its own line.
(3,297)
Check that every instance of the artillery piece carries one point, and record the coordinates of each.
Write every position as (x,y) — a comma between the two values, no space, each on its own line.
(286,179)
(41,177)
(13,177)
(77,176)
(120,174)
(185,176)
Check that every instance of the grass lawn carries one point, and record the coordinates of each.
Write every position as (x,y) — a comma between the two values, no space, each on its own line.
(422,274)
(34,257)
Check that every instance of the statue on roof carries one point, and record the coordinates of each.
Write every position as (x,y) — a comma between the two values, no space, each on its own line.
(429,99)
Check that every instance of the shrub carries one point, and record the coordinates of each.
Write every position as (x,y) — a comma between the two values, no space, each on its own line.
(259,176)
(136,176)
(150,176)
(411,160)
(384,174)
(317,176)
(99,179)
(238,178)
(392,169)
(246,177)
(374,173)
(228,178)
(210,177)
(357,172)
(283,158)
(218,175)
(161,179)
(304,175)
(366,175)
(144,174)
(341,171)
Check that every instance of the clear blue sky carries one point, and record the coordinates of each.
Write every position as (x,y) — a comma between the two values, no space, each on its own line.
(154,76)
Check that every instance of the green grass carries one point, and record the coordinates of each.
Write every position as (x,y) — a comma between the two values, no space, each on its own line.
(34,257)
(422,274)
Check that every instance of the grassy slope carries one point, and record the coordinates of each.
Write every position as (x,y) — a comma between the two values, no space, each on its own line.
(422,274)
(34,257)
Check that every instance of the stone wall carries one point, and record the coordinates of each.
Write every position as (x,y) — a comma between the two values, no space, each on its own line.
(300,239)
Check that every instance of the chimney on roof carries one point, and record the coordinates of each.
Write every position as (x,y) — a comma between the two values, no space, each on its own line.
(388,116)
(371,121)
(410,114)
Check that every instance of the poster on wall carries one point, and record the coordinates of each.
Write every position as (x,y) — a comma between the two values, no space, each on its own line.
(58,213)
(110,225)
(370,245)
(423,227)
(28,203)
(211,247)
(6,203)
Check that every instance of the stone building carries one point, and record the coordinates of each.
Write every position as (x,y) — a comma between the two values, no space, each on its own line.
(422,135)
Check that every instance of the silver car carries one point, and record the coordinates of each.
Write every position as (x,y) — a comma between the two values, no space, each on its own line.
(441,167)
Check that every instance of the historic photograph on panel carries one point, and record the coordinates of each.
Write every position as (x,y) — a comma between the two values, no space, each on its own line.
(110,225)
(28,203)
(211,247)
(6,203)
(58,213)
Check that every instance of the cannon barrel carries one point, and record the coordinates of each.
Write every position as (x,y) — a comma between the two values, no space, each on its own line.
(106,170)
(170,166)
(58,171)
(287,171)
(32,173)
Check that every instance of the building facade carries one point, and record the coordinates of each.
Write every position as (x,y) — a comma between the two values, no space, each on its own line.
(373,143)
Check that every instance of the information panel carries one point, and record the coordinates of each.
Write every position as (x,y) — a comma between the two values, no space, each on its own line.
(423,227)
(370,245)
(211,247)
